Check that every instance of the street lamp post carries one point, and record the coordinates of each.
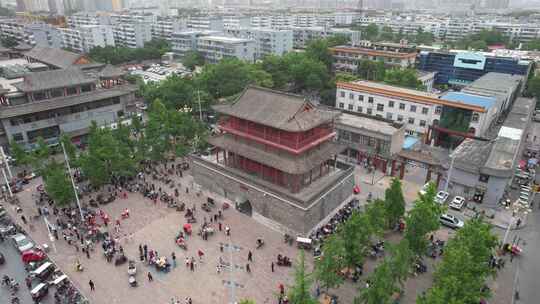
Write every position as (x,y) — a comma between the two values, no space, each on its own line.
(72,181)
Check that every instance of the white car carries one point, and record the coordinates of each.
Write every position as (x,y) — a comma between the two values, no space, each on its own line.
(451,221)
(21,242)
(441,197)
(457,203)
(424,189)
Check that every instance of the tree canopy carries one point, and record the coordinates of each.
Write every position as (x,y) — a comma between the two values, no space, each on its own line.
(394,203)
(192,59)
(300,291)
(116,55)
(461,275)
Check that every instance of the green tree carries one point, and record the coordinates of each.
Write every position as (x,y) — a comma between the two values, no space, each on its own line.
(394,203)
(227,78)
(192,59)
(71,150)
(478,45)
(277,67)
(375,215)
(246,301)
(19,154)
(300,292)
(175,92)
(421,220)
(404,78)
(57,184)
(337,39)
(329,265)
(382,286)
(464,269)
(318,50)
(9,42)
(371,32)
(355,234)
(401,259)
(425,38)
(533,87)
(533,45)
(387,34)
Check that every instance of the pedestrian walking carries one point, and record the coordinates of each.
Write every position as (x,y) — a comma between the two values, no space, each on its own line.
(227,230)
(272,266)
(150,277)
(92,286)
(221,247)
(192,265)
(200,253)
(173,257)
(219,226)
(218,269)
(250,256)
(87,252)
(23,219)
(248,269)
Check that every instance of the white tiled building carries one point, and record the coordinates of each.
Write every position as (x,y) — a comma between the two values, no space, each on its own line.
(267,41)
(416,109)
(86,37)
(216,48)
(132,34)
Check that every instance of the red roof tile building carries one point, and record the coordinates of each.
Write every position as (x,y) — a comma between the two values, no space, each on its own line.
(276,157)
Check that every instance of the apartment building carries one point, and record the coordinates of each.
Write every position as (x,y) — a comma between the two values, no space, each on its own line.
(36,33)
(204,23)
(216,48)
(132,34)
(185,41)
(53,102)
(415,109)
(87,37)
(303,35)
(267,41)
(81,19)
(347,58)
(163,28)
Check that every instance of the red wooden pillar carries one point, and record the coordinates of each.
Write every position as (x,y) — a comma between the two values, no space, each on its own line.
(428,175)
(393,169)
(383,166)
(402,171)
(438,179)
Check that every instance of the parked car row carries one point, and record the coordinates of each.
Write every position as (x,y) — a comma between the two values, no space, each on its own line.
(41,272)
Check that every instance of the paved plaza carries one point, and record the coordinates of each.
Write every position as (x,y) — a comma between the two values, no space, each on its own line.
(157,225)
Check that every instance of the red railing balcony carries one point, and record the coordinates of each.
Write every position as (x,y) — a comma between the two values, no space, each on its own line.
(292,142)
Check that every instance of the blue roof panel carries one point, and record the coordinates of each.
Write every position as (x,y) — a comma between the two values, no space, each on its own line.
(409,141)
(470,99)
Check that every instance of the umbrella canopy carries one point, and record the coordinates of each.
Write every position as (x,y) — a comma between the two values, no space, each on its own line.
(187,226)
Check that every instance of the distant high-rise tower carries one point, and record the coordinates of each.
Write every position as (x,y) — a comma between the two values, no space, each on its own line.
(57,7)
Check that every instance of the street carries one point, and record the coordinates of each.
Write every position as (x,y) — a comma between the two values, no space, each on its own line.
(15,269)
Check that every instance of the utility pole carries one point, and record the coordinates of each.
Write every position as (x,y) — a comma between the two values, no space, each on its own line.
(72,181)
(4,159)
(231,283)
(199,100)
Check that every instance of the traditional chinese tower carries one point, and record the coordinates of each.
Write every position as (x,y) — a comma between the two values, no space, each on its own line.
(276,157)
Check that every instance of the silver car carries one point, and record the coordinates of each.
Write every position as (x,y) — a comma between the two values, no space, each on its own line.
(457,203)
(21,242)
(451,221)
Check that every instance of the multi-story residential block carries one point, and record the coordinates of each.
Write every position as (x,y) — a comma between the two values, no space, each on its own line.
(460,68)
(132,34)
(63,101)
(87,37)
(80,19)
(163,28)
(267,41)
(185,41)
(216,48)
(303,35)
(204,23)
(38,33)
(347,58)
